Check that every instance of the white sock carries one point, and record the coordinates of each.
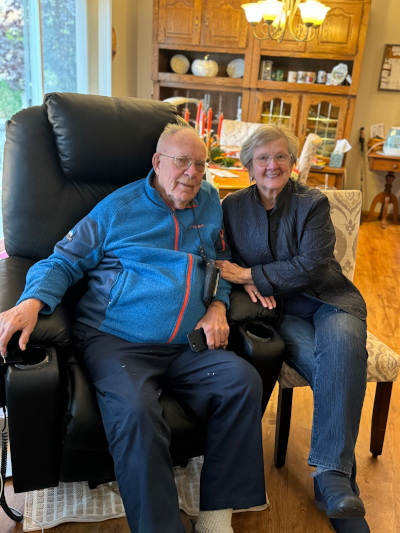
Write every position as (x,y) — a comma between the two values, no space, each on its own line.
(215,521)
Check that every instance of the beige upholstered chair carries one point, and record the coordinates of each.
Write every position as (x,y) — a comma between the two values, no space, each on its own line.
(234,133)
(383,363)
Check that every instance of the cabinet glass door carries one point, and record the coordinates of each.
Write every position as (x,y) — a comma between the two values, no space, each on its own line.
(324,117)
(271,107)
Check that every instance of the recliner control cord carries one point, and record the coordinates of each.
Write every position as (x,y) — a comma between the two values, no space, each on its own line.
(4,449)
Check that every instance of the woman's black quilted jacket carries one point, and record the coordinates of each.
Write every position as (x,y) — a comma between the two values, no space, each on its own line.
(299,258)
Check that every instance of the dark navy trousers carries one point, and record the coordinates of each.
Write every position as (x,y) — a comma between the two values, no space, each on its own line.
(221,388)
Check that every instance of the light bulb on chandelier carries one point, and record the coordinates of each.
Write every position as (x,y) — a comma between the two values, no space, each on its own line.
(279,15)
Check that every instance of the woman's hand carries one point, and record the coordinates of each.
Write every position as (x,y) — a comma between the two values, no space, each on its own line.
(266,301)
(234,273)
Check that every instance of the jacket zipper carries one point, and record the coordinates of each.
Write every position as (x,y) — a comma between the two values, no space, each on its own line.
(176,227)
(113,285)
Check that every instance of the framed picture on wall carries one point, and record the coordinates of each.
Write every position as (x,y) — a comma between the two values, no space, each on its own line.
(390,71)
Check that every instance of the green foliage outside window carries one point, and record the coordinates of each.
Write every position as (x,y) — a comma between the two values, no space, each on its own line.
(12,75)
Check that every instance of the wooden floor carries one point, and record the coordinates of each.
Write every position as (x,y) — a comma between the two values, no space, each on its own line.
(290,488)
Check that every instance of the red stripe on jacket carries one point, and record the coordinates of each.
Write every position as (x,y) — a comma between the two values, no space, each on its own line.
(221,234)
(185,301)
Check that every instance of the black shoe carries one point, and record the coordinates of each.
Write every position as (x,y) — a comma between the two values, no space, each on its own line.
(350,525)
(333,494)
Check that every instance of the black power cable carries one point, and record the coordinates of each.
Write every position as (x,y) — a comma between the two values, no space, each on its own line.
(4,450)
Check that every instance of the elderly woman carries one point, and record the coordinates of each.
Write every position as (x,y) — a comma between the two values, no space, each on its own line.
(282,242)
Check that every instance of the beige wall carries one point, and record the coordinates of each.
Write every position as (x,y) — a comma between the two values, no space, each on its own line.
(145,28)
(374,106)
(125,64)
(132,21)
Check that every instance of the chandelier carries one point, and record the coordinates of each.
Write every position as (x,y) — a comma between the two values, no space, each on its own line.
(278,15)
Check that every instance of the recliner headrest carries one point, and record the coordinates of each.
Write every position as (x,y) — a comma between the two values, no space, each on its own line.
(102,139)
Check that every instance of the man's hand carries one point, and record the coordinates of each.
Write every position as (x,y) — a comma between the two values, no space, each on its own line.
(234,273)
(252,291)
(215,325)
(22,318)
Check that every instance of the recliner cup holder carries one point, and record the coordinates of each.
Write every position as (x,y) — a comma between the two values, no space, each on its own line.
(259,331)
(31,356)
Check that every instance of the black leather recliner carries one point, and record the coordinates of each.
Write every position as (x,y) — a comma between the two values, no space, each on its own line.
(61,159)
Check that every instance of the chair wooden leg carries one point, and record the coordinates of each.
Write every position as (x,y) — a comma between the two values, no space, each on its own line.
(282,428)
(379,416)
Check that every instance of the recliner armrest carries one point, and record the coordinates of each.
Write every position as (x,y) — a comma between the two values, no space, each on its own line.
(257,342)
(243,309)
(34,402)
(54,328)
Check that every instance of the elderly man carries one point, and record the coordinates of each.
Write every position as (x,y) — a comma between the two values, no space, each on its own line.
(144,248)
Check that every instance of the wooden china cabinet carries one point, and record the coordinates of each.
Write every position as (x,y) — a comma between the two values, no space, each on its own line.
(196,28)
(219,28)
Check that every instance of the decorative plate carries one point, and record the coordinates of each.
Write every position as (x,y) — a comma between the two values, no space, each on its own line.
(180,64)
(235,69)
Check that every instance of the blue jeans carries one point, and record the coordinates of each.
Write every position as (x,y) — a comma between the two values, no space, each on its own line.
(329,352)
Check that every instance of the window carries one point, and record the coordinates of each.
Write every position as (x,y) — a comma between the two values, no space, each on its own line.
(46,46)
(12,69)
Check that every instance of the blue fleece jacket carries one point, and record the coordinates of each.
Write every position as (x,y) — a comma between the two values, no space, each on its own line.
(146,276)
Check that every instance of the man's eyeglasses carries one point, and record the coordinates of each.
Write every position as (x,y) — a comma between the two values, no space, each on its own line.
(265,160)
(183,163)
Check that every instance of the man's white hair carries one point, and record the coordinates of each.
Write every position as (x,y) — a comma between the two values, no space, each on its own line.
(171,129)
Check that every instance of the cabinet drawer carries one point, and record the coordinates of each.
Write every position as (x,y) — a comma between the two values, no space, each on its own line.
(315,180)
(384,164)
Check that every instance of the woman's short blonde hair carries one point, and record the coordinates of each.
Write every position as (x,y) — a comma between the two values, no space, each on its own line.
(265,134)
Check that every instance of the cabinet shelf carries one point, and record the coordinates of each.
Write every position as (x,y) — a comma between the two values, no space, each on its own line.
(200,80)
(199,48)
(321,128)
(304,87)
(275,116)
(323,119)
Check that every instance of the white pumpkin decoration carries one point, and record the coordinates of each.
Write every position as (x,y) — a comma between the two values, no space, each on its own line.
(205,67)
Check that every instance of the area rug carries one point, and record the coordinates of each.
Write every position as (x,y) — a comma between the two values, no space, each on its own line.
(75,502)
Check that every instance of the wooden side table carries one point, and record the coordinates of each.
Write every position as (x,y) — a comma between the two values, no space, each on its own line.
(390,164)
(337,177)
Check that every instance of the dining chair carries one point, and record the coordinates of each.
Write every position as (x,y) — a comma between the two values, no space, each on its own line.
(383,362)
